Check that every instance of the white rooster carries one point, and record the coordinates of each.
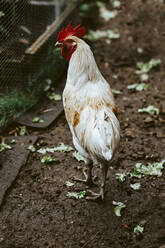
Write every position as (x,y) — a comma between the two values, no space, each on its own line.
(89,106)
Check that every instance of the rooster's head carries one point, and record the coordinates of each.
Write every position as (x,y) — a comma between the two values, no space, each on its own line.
(66,39)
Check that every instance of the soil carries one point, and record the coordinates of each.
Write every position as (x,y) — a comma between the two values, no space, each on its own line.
(36,212)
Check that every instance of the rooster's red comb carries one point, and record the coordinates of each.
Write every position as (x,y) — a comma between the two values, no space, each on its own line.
(77,31)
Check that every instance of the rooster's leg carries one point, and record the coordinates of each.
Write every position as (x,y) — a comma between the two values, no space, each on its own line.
(101,194)
(88,175)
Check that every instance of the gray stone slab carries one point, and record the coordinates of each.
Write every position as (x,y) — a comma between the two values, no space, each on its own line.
(48,118)
(12,160)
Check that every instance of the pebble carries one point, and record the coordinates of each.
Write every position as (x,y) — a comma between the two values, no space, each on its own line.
(143,222)
(148,120)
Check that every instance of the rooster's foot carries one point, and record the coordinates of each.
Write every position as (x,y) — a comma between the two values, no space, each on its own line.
(87,180)
(96,196)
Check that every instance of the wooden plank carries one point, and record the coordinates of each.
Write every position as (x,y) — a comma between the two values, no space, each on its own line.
(12,160)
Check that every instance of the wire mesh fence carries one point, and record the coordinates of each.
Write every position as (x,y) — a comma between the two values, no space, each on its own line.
(22,22)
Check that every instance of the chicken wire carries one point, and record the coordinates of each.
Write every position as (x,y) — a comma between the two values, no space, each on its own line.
(21,23)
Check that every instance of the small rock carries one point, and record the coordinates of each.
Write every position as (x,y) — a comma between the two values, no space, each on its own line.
(58,192)
(148,120)
(129,133)
(143,222)
(106,65)
(125,124)
(1,240)
(82,242)
(73,204)
(160,134)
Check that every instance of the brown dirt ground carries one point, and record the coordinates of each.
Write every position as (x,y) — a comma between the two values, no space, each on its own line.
(36,212)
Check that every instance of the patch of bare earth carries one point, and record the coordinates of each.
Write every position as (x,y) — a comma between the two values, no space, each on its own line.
(37,213)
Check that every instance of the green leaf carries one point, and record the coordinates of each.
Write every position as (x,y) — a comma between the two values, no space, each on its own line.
(78,156)
(60,148)
(118,208)
(47,159)
(151,169)
(116,92)
(37,120)
(107,14)
(55,97)
(135,186)
(63,148)
(69,184)
(115,3)
(120,177)
(100,4)
(22,130)
(138,87)
(144,77)
(115,76)
(4,146)
(140,50)
(1,14)
(146,67)
(13,141)
(95,35)
(138,229)
(32,148)
(48,84)
(76,195)
(152,110)
(84,7)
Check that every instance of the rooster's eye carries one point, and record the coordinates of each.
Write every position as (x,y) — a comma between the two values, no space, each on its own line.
(69,41)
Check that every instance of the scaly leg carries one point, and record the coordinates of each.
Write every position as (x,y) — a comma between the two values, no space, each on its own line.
(88,175)
(101,194)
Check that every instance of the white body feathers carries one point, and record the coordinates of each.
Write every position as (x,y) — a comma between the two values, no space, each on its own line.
(90,108)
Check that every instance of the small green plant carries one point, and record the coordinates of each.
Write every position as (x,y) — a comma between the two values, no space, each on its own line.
(138,87)
(152,110)
(78,156)
(135,186)
(32,148)
(118,208)
(4,146)
(22,130)
(1,14)
(151,169)
(37,120)
(77,195)
(55,97)
(47,159)
(120,177)
(84,7)
(95,35)
(13,141)
(144,77)
(63,148)
(138,229)
(60,148)
(116,92)
(100,4)
(146,67)
(115,3)
(140,50)
(69,184)
(107,14)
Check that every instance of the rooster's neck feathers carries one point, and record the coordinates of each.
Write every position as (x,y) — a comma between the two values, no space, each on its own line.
(82,64)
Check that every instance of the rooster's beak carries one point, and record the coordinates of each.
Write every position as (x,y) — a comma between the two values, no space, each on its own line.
(58,44)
